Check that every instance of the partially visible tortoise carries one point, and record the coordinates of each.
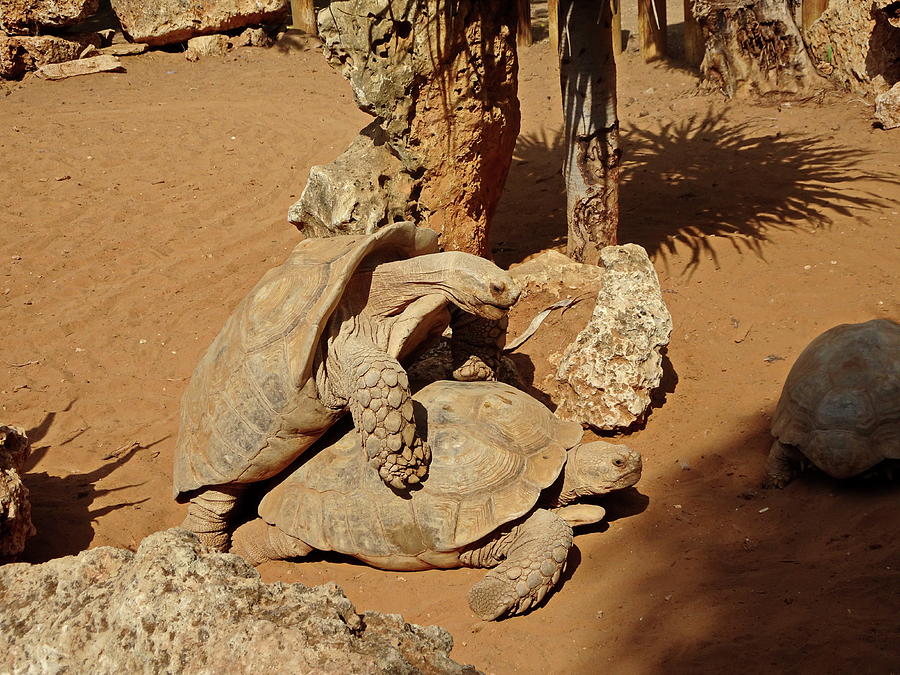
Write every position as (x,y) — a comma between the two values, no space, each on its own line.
(319,334)
(840,406)
(494,497)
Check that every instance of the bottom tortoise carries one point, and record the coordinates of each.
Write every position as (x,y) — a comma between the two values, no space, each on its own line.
(494,498)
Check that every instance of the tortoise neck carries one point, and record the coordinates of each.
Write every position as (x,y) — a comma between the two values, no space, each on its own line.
(394,285)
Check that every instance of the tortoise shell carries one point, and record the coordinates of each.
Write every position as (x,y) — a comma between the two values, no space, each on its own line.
(840,404)
(494,449)
(251,406)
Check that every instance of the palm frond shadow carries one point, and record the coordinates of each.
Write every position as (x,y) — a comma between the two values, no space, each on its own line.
(689,181)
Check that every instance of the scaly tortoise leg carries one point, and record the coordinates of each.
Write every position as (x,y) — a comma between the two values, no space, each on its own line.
(783,465)
(476,346)
(258,542)
(209,512)
(382,410)
(531,555)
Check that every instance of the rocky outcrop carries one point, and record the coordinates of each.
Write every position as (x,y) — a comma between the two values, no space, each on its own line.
(176,607)
(20,54)
(856,44)
(27,17)
(440,79)
(605,377)
(15,508)
(167,21)
(887,108)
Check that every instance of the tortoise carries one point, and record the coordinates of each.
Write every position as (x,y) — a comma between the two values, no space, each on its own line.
(319,334)
(494,497)
(840,406)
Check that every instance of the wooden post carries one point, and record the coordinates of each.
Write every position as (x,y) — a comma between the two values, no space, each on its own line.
(652,28)
(616,27)
(524,35)
(553,25)
(303,16)
(694,46)
(812,10)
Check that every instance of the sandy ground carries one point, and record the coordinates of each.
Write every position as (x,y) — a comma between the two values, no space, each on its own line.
(138,208)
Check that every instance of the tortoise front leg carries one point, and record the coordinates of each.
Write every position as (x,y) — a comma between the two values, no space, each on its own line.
(531,555)
(783,465)
(209,513)
(382,410)
(476,346)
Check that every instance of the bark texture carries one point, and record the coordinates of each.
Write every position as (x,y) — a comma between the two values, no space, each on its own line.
(591,169)
(856,44)
(753,47)
(439,77)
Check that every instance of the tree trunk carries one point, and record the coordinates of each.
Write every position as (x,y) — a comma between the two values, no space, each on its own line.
(694,47)
(753,46)
(303,16)
(553,25)
(812,10)
(524,35)
(617,26)
(591,169)
(652,29)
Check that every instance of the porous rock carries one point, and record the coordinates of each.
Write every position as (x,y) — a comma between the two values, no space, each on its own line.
(207,45)
(887,108)
(857,45)
(605,377)
(440,79)
(25,17)
(175,607)
(15,508)
(363,189)
(20,54)
(166,21)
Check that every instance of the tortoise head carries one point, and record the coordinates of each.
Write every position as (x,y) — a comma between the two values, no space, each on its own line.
(597,468)
(476,285)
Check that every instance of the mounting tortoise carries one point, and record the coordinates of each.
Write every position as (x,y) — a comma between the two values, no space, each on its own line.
(494,497)
(840,406)
(321,333)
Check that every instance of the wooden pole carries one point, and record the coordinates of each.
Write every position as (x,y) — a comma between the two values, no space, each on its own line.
(652,28)
(553,25)
(524,34)
(694,46)
(303,16)
(812,10)
(616,27)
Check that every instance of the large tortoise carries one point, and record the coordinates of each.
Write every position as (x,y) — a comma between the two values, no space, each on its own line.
(494,497)
(319,334)
(840,406)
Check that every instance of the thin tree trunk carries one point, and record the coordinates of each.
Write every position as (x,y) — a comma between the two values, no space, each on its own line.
(812,10)
(616,26)
(694,46)
(553,25)
(524,34)
(303,16)
(652,28)
(591,169)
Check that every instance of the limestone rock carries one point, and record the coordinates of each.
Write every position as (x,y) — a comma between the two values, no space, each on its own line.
(105,63)
(553,271)
(855,44)
(252,37)
(606,375)
(362,190)
(15,507)
(175,607)
(24,17)
(207,45)
(440,79)
(887,107)
(167,21)
(21,53)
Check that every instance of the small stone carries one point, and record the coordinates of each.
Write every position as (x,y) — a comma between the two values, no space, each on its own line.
(887,108)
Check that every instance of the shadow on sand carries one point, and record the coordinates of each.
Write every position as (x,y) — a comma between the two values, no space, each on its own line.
(685,182)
